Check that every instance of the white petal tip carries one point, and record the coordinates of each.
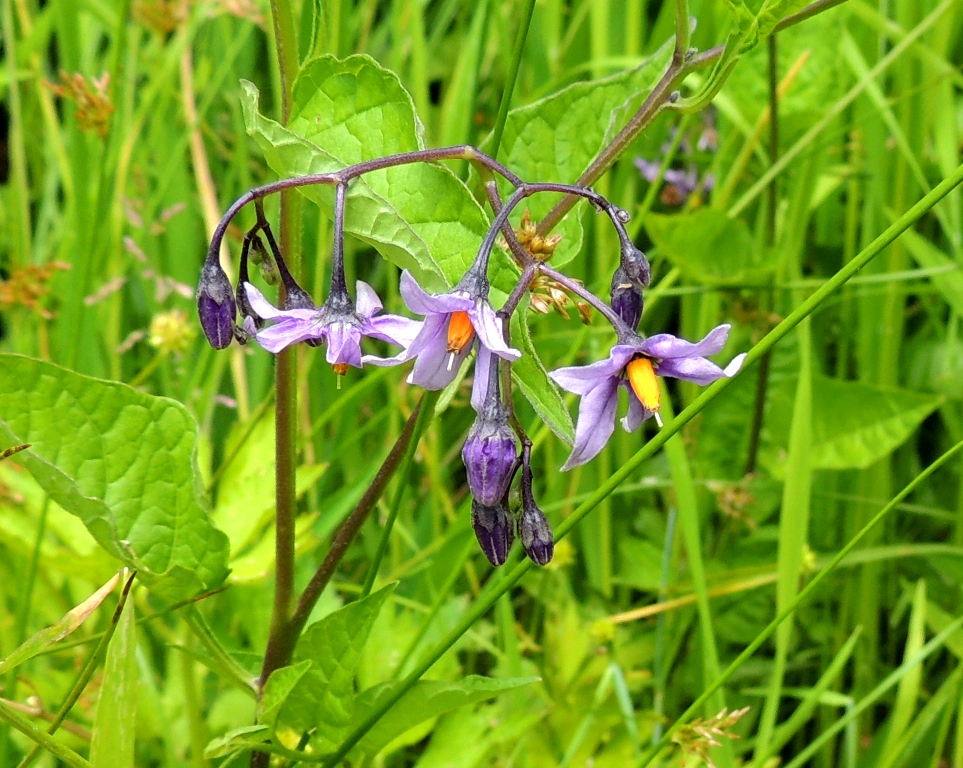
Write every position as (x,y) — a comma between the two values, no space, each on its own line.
(735,366)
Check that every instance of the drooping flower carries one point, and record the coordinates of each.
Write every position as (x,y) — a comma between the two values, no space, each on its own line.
(339,323)
(635,364)
(452,321)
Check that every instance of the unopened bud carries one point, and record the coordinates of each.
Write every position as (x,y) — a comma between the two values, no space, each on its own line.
(533,527)
(626,298)
(216,306)
(490,455)
(536,535)
(494,529)
(636,265)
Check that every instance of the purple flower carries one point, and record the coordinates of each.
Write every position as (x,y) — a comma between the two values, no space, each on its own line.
(338,323)
(452,320)
(635,365)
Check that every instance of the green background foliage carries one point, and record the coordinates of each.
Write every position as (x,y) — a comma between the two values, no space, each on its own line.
(152,452)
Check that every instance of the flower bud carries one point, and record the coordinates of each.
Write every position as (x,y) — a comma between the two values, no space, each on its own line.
(626,298)
(635,265)
(494,529)
(216,306)
(490,455)
(536,534)
(533,527)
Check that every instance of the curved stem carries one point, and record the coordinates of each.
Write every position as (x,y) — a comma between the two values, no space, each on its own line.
(616,214)
(521,287)
(461,152)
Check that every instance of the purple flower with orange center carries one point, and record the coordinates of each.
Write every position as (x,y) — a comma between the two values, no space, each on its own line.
(452,321)
(339,323)
(634,364)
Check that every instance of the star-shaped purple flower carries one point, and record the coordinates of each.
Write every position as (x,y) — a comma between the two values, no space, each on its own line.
(634,365)
(452,320)
(339,324)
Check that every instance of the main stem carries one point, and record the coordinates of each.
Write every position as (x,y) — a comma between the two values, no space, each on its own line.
(285,385)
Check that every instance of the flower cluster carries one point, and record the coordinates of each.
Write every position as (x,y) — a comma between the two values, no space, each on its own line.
(455,323)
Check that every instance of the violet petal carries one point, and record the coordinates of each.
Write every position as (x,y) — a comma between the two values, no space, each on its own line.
(665,345)
(596,422)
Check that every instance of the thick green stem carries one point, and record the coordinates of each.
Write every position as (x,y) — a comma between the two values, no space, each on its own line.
(526,20)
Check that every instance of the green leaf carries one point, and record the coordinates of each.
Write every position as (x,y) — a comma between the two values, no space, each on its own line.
(555,138)
(709,247)
(57,632)
(279,686)
(123,462)
(928,256)
(427,699)
(421,217)
(112,743)
(531,377)
(235,741)
(856,424)
(329,651)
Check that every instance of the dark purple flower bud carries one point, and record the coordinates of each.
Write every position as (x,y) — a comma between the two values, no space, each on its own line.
(635,265)
(494,529)
(533,527)
(536,534)
(216,306)
(490,456)
(626,298)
